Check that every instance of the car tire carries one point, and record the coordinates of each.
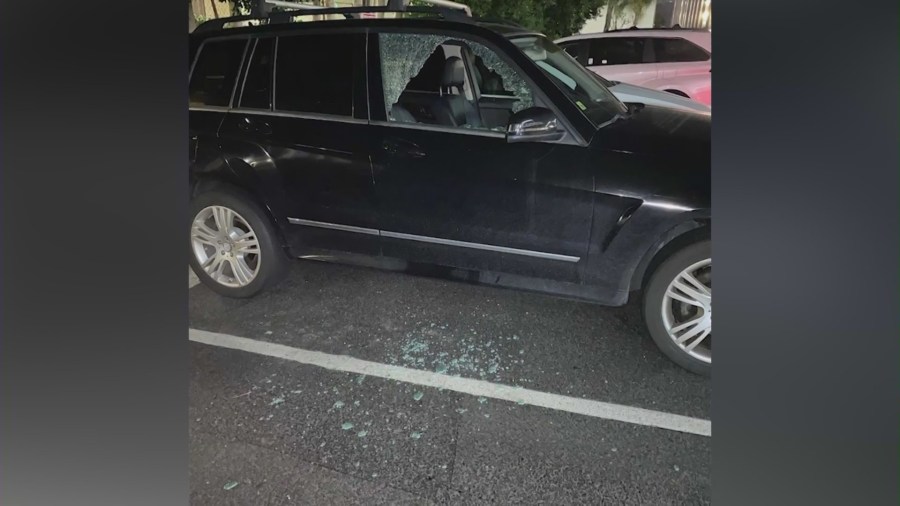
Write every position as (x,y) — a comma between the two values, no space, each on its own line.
(241,258)
(678,311)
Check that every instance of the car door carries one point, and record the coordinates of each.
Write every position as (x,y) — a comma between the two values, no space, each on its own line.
(625,59)
(299,128)
(461,195)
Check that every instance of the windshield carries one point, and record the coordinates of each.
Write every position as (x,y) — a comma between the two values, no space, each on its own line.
(584,88)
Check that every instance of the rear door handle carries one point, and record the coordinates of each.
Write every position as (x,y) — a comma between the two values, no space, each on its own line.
(249,125)
(245,124)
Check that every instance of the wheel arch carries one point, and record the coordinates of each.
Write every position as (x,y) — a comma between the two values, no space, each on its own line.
(676,91)
(695,230)
(221,180)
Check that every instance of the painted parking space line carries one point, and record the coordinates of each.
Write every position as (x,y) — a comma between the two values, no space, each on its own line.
(344,363)
(193,280)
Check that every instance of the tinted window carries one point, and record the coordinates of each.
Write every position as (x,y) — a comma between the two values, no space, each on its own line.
(675,50)
(616,51)
(571,48)
(215,72)
(258,83)
(315,73)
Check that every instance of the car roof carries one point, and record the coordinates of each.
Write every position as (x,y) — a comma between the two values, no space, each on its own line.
(506,30)
(503,28)
(702,38)
(643,32)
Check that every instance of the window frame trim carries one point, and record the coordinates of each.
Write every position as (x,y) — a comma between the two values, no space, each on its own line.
(300,115)
(255,40)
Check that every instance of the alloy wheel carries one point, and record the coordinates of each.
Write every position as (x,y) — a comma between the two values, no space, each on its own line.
(225,246)
(687,310)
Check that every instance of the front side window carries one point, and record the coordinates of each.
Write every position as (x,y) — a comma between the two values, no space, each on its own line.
(447,81)
(316,73)
(497,77)
(678,50)
(215,72)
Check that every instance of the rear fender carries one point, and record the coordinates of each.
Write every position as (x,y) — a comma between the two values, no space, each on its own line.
(220,173)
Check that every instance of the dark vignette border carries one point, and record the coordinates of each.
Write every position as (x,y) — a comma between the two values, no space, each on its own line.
(805,180)
(93,343)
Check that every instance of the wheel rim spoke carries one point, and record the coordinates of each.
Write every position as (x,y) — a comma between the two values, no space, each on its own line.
(204,234)
(686,325)
(220,266)
(707,331)
(212,265)
(247,246)
(242,272)
(697,297)
(683,298)
(693,281)
(224,218)
(691,329)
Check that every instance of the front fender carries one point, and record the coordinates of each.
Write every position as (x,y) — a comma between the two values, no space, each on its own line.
(621,260)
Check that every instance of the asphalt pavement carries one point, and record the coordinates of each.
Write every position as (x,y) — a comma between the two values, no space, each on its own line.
(266,430)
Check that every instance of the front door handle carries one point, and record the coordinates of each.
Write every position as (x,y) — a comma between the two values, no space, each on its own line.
(401,148)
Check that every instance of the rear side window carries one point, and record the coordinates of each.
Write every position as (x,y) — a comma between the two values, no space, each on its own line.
(257,92)
(215,72)
(316,73)
(678,50)
(616,51)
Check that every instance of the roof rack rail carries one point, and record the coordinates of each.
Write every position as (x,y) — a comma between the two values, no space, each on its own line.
(631,28)
(499,21)
(446,4)
(264,12)
(660,28)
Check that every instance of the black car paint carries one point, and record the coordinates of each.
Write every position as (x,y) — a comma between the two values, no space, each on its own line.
(613,197)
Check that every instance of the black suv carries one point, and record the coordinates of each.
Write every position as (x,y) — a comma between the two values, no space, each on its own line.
(472,149)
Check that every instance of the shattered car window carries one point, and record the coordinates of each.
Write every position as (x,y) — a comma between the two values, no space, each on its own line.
(510,83)
(414,66)
(402,57)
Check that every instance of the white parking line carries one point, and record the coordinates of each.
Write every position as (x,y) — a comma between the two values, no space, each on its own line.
(193,280)
(469,386)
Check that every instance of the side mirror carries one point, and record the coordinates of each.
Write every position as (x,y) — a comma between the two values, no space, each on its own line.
(535,124)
